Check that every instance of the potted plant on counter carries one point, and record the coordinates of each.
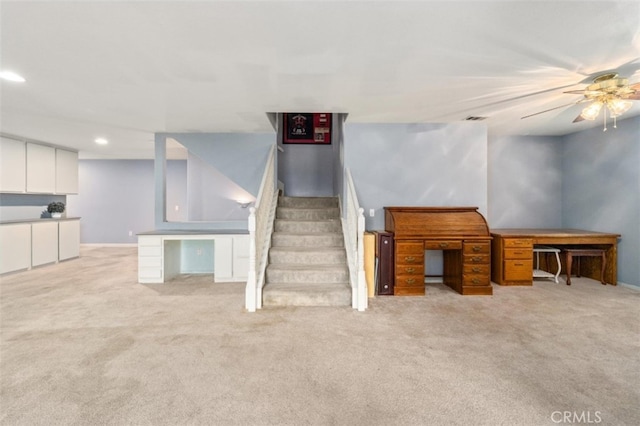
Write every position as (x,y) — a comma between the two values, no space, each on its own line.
(56,209)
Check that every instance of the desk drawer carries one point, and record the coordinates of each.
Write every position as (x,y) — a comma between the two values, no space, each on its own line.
(473,279)
(408,291)
(410,247)
(417,269)
(476,258)
(518,253)
(476,248)
(482,269)
(149,273)
(410,259)
(149,241)
(149,251)
(409,281)
(149,261)
(443,245)
(518,270)
(518,242)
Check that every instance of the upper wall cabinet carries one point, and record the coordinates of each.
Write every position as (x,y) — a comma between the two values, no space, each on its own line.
(27,167)
(41,169)
(66,172)
(12,166)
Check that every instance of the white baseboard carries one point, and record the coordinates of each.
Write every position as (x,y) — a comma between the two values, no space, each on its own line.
(631,286)
(110,245)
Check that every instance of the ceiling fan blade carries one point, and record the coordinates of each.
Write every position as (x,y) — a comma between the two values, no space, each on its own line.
(550,109)
(578,119)
(576,92)
(634,97)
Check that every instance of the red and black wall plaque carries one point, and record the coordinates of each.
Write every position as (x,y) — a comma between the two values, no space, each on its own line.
(307,128)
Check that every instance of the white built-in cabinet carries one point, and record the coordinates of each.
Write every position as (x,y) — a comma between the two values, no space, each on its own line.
(41,169)
(44,243)
(68,239)
(28,244)
(160,256)
(66,172)
(13,166)
(27,167)
(15,247)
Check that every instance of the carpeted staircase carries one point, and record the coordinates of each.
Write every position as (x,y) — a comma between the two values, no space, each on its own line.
(307,261)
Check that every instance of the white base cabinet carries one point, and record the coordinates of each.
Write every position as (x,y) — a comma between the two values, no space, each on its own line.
(24,245)
(44,243)
(160,256)
(68,239)
(15,247)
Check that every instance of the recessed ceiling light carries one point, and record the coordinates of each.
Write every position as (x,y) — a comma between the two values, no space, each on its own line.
(101,141)
(11,76)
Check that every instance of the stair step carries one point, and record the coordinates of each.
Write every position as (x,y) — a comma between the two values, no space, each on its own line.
(307,261)
(308,255)
(302,202)
(306,226)
(307,294)
(291,273)
(285,239)
(307,213)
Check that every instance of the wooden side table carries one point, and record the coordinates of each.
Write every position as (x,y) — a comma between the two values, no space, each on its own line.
(570,253)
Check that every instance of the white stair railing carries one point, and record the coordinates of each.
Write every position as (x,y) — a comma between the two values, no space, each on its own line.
(261,220)
(353,230)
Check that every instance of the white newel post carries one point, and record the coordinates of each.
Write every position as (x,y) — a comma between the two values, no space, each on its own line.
(251,296)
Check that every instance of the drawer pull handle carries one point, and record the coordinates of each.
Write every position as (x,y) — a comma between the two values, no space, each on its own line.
(475,281)
(475,269)
(518,264)
(477,258)
(410,270)
(477,248)
(443,245)
(411,280)
(410,258)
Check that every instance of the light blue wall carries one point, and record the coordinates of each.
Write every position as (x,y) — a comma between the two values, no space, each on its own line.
(235,163)
(417,165)
(115,197)
(601,188)
(525,182)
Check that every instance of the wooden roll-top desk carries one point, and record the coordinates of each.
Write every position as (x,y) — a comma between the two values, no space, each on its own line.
(460,232)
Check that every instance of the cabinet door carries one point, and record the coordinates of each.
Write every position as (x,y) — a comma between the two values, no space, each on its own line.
(240,257)
(66,172)
(13,169)
(15,247)
(69,239)
(44,243)
(223,259)
(41,169)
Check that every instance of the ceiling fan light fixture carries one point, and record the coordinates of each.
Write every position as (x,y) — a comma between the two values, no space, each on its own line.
(591,112)
(619,106)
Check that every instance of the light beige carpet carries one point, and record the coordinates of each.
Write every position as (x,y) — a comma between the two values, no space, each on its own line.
(84,344)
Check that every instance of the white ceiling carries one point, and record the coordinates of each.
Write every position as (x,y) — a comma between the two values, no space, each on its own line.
(125,70)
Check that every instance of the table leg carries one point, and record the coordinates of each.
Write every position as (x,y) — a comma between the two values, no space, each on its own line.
(604,263)
(569,261)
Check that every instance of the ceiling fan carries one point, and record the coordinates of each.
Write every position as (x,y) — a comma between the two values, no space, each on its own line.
(609,92)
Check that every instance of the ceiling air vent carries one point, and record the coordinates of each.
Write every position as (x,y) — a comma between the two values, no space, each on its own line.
(474,118)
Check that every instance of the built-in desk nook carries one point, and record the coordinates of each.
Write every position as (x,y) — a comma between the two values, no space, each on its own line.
(163,255)
(512,253)
(460,232)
